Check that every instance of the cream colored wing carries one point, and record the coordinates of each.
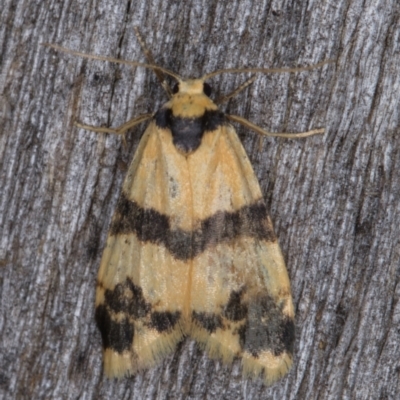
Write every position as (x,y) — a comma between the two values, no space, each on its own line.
(143,277)
(240,292)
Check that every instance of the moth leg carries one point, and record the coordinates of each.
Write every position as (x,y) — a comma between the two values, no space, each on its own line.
(255,128)
(119,130)
(243,86)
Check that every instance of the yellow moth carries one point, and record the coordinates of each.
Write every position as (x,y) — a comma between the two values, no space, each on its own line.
(191,250)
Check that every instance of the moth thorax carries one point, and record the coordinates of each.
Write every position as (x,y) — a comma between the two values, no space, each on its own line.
(189,115)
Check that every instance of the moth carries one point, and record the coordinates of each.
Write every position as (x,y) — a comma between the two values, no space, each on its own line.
(191,250)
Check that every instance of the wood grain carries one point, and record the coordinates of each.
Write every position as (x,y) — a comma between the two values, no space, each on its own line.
(334,199)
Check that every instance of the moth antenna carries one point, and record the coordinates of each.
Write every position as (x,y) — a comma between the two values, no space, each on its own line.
(243,86)
(256,128)
(114,60)
(150,59)
(265,70)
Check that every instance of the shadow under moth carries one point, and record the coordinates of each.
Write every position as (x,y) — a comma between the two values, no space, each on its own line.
(191,250)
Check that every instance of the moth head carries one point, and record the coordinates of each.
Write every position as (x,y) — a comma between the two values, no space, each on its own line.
(192,86)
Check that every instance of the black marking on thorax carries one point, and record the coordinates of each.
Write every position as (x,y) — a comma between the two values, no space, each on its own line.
(188,132)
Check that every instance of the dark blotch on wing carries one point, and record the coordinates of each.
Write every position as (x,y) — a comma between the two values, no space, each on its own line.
(235,310)
(117,336)
(209,321)
(164,321)
(267,328)
(128,298)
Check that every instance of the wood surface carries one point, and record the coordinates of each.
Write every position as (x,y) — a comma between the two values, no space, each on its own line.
(334,199)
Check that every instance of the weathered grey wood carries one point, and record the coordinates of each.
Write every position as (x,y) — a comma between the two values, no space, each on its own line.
(334,199)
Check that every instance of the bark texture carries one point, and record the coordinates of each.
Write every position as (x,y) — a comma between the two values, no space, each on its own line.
(334,199)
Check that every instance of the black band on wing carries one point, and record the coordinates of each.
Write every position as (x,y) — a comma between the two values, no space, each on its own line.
(151,226)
